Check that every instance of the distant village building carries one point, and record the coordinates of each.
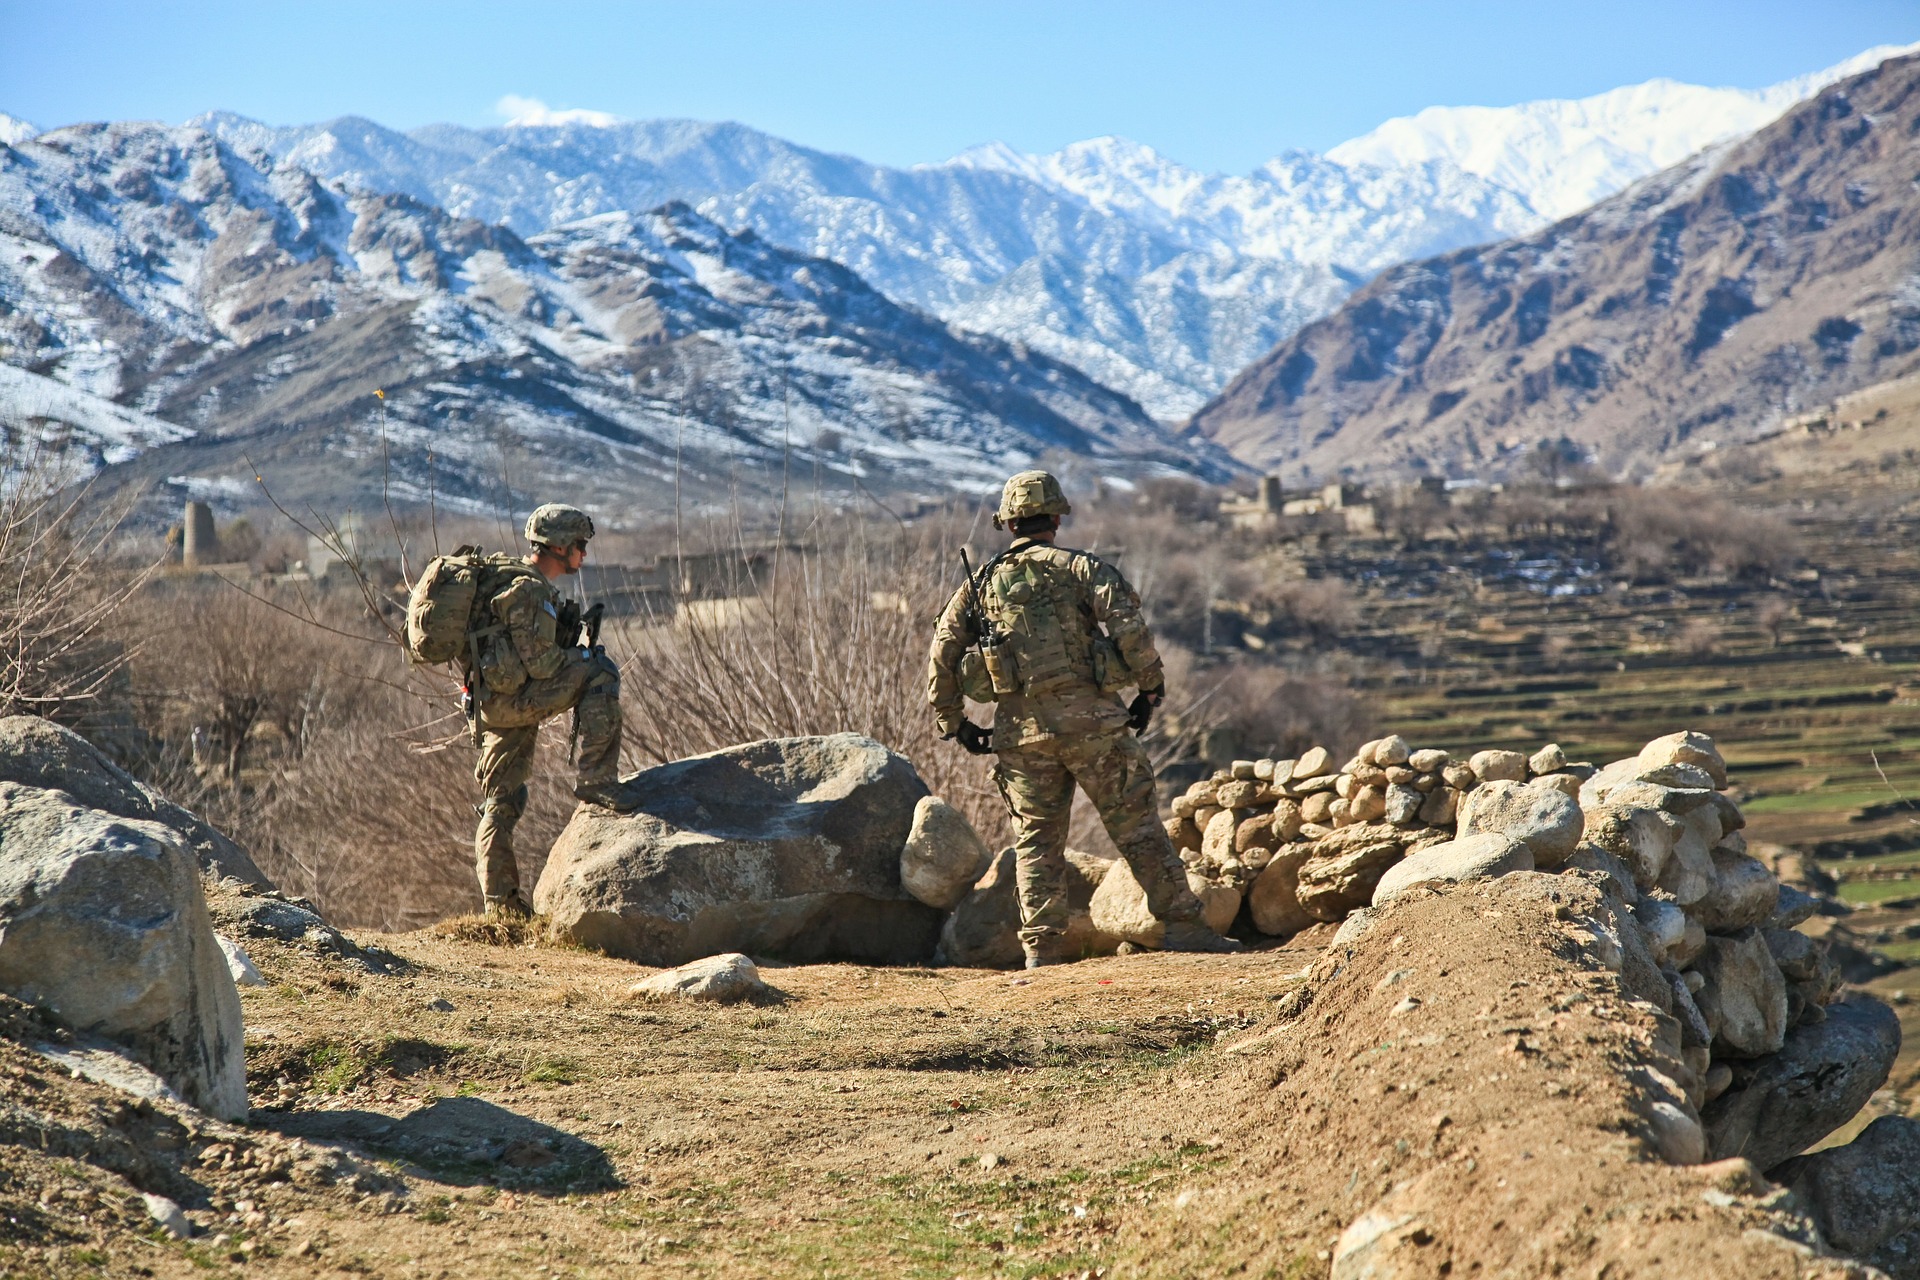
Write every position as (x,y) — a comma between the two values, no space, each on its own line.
(1341,504)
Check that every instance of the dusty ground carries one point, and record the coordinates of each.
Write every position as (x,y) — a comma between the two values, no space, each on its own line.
(1151,1115)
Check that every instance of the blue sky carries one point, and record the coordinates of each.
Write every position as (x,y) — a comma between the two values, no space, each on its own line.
(1217,85)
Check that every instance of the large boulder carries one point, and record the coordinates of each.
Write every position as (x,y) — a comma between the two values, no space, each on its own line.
(1272,901)
(1341,869)
(1119,906)
(1547,821)
(984,930)
(1484,856)
(103,923)
(943,855)
(786,847)
(39,753)
(1822,1076)
(1865,1193)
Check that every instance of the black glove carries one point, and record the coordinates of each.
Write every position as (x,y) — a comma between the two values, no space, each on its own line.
(1140,710)
(566,624)
(973,738)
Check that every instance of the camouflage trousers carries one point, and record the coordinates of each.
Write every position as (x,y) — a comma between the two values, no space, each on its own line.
(1112,768)
(509,728)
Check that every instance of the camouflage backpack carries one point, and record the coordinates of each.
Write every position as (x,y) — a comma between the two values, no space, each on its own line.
(443,607)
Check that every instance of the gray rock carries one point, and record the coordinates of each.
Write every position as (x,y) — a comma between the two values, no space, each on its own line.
(723,979)
(39,753)
(943,855)
(1392,749)
(1744,893)
(1598,789)
(786,847)
(1617,879)
(1865,1193)
(1689,873)
(1745,997)
(1548,759)
(239,965)
(1272,901)
(1483,856)
(1795,906)
(167,1215)
(1822,1076)
(1797,955)
(1686,748)
(1694,1031)
(1640,837)
(1354,927)
(984,930)
(102,922)
(1664,924)
(246,912)
(1403,805)
(1678,801)
(1547,821)
(1441,807)
(1499,766)
(1683,776)
(1315,762)
(1427,760)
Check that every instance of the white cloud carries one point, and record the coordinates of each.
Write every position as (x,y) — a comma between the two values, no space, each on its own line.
(519,111)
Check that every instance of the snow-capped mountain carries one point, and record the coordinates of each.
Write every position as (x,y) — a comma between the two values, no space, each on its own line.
(13,129)
(1698,308)
(1161,280)
(620,355)
(1561,156)
(1152,299)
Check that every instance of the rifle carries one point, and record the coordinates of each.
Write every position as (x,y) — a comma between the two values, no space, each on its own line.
(982,628)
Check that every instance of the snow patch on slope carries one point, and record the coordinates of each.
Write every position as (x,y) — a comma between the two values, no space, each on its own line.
(1563,155)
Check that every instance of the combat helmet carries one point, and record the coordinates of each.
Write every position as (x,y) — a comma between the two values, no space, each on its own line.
(558,525)
(1031,493)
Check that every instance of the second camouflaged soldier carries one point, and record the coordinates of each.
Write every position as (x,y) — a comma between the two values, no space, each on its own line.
(1059,634)
(528,674)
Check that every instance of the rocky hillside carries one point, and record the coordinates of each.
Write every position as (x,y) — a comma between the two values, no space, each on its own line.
(221,290)
(1699,306)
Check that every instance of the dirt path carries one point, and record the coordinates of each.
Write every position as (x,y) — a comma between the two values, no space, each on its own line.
(1151,1115)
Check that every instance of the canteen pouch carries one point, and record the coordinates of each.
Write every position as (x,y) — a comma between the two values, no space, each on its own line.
(1003,671)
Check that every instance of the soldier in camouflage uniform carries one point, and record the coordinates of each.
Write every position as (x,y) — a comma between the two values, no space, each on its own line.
(529,674)
(1062,635)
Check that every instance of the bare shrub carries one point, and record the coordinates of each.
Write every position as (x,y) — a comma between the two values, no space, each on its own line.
(1654,532)
(1771,614)
(1244,709)
(59,592)
(1699,638)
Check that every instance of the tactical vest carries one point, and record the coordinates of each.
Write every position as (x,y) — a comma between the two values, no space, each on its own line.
(1042,639)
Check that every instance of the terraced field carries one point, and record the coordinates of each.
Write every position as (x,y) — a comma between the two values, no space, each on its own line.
(1810,685)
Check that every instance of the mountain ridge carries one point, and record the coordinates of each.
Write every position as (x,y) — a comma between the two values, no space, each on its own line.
(1754,280)
(621,355)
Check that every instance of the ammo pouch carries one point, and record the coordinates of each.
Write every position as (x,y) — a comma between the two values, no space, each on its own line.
(1003,669)
(1110,671)
(500,666)
(975,684)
